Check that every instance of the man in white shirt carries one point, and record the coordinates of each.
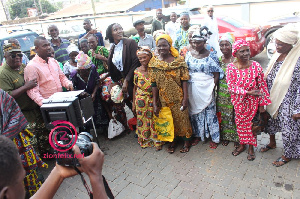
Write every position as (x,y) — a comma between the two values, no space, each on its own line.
(172,27)
(211,23)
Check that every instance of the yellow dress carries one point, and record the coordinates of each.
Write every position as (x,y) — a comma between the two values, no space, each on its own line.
(168,77)
(147,136)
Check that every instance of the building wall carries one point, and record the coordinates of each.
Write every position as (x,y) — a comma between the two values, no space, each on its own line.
(152,4)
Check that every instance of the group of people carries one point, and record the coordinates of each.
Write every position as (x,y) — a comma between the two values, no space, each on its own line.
(210,97)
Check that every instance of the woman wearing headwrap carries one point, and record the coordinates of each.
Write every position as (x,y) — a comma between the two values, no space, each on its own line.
(283,80)
(249,93)
(204,73)
(168,74)
(71,65)
(224,105)
(86,78)
(143,101)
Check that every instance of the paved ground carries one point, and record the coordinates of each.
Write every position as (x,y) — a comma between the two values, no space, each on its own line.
(136,173)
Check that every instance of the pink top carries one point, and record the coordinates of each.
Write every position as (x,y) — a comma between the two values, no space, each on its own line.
(50,78)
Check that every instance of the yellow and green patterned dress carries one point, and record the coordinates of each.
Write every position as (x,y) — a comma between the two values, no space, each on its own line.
(167,77)
(228,127)
(147,136)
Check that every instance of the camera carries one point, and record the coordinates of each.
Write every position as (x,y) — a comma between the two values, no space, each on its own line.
(68,158)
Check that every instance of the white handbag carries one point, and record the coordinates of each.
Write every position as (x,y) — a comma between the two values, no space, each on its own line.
(115,128)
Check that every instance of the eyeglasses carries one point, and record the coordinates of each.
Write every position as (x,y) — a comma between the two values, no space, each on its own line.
(15,55)
(210,11)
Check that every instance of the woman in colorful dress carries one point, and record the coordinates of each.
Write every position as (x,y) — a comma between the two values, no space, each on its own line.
(283,79)
(169,74)
(10,115)
(224,105)
(142,103)
(204,73)
(249,94)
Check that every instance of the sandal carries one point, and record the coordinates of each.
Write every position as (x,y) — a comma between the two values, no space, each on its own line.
(185,149)
(171,148)
(158,148)
(213,145)
(225,142)
(237,152)
(236,145)
(195,141)
(266,148)
(251,157)
(280,160)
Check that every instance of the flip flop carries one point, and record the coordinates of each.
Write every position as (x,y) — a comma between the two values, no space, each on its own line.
(251,157)
(195,141)
(266,148)
(213,145)
(225,142)
(171,148)
(185,149)
(280,160)
(236,152)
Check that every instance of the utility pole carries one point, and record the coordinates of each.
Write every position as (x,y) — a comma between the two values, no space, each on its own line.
(162,4)
(93,6)
(41,7)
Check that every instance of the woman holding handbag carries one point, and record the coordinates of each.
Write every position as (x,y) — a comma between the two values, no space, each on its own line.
(169,74)
(249,94)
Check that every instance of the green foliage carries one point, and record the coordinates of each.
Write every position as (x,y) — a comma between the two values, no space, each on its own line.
(18,8)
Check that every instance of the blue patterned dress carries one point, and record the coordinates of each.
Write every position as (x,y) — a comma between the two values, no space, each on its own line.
(205,123)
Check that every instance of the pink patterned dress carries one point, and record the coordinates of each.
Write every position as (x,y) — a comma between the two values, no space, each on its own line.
(239,81)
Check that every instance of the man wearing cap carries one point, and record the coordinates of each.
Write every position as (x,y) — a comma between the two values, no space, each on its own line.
(159,22)
(172,27)
(182,35)
(142,38)
(59,45)
(50,78)
(87,25)
(25,59)
(12,81)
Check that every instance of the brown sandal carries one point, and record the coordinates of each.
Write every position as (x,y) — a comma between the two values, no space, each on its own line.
(237,152)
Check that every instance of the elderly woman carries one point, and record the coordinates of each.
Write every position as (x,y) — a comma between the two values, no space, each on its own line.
(224,105)
(122,60)
(169,74)
(204,75)
(249,93)
(283,80)
(143,102)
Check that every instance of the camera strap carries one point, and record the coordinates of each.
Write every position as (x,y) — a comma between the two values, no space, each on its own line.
(84,183)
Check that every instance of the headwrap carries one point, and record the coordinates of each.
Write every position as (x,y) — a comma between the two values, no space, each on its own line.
(83,61)
(202,34)
(11,47)
(288,34)
(72,48)
(116,94)
(228,36)
(174,52)
(12,119)
(144,50)
(237,45)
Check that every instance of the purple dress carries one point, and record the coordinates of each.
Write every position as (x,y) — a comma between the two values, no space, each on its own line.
(101,117)
(290,105)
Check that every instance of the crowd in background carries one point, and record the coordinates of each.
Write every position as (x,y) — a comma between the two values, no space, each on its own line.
(209,86)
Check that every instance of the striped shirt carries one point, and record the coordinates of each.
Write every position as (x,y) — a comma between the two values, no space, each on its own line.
(60,52)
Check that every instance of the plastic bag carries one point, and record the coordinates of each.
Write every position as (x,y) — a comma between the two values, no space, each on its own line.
(164,125)
(115,128)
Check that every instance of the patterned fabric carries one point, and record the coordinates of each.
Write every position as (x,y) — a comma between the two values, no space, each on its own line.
(290,105)
(237,45)
(147,136)
(83,61)
(245,106)
(168,77)
(205,123)
(181,39)
(60,52)
(228,36)
(11,118)
(30,160)
(99,63)
(224,105)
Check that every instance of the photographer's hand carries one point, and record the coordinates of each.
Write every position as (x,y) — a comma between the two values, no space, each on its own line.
(92,166)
